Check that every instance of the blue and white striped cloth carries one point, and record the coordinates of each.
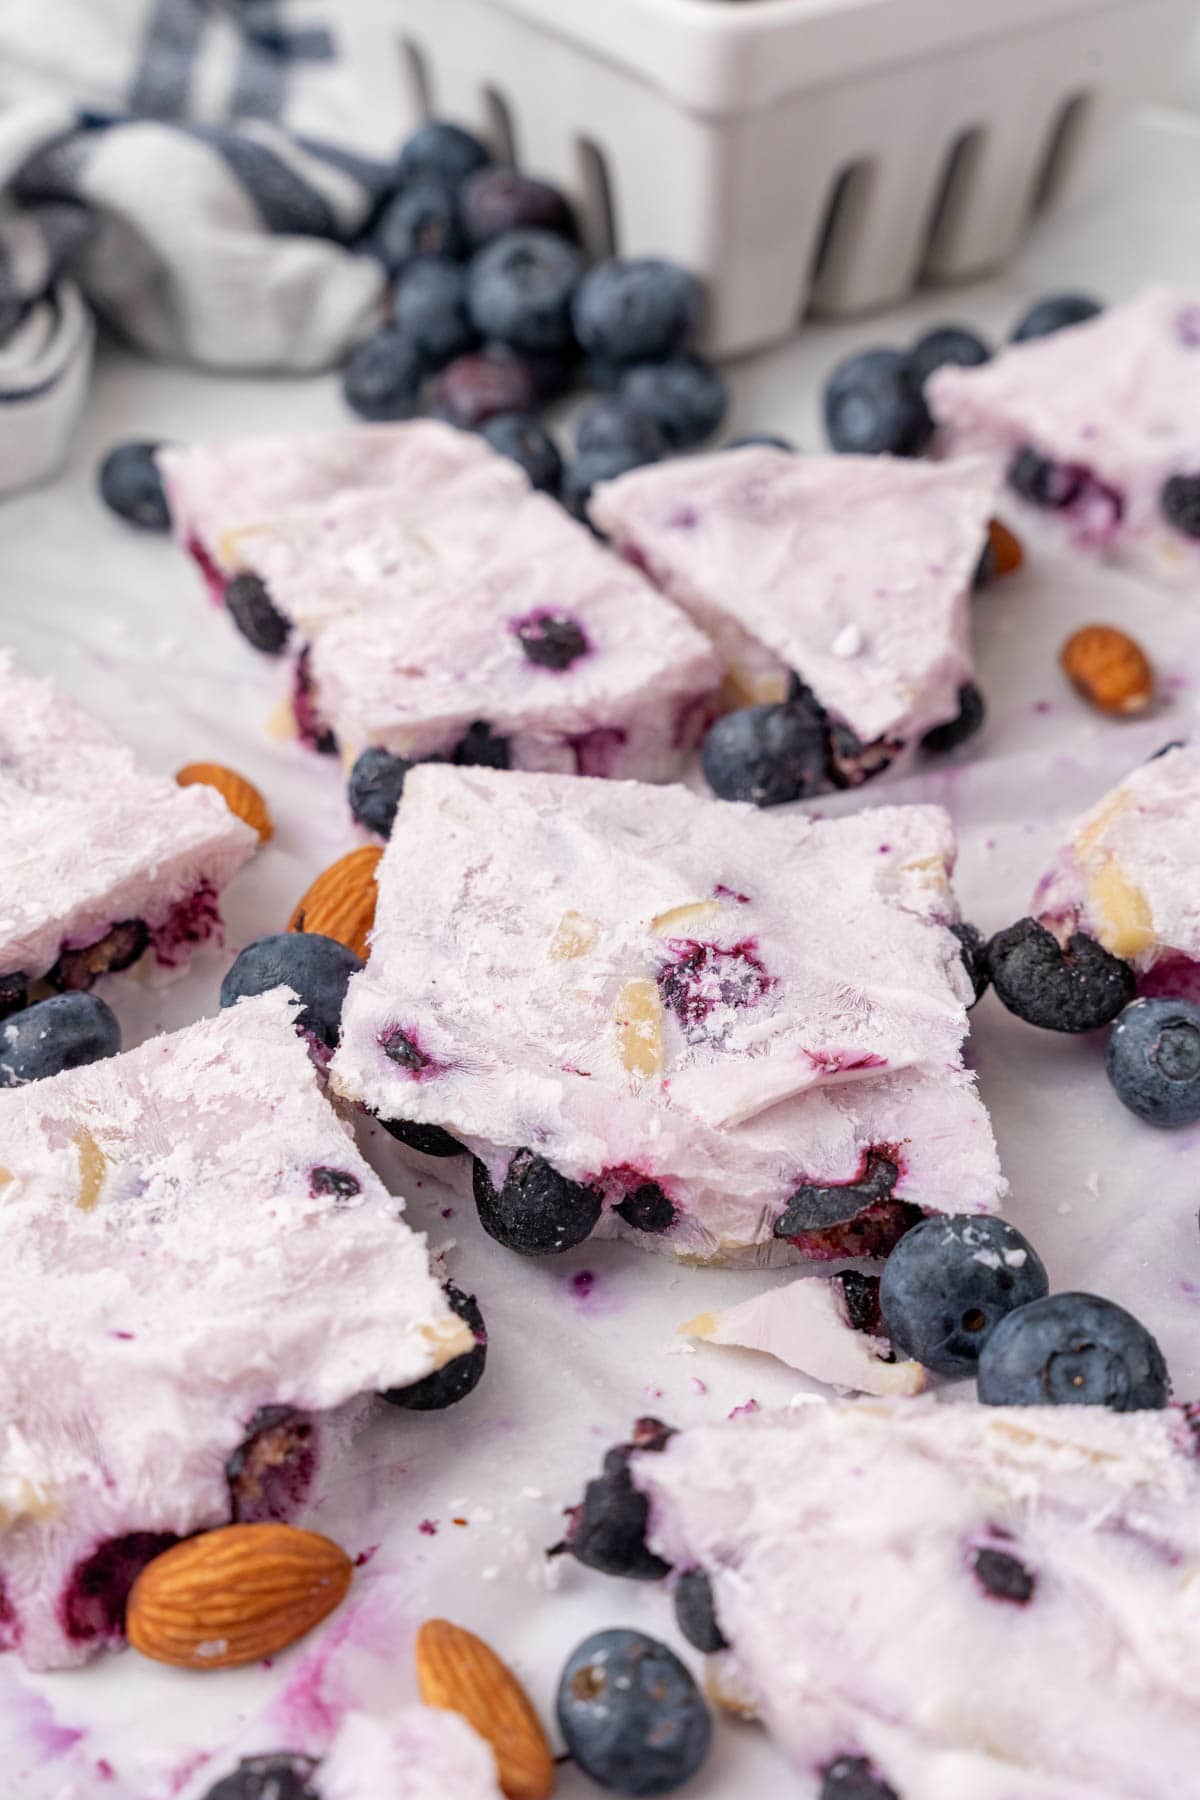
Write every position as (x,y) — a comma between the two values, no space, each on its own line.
(195,171)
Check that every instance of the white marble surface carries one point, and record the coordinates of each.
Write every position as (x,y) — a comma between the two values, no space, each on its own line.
(120,620)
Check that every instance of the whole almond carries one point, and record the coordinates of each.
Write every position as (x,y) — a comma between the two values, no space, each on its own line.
(460,1673)
(1109,669)
(1007,554)
(240,796)
(341,901)
(234,1595)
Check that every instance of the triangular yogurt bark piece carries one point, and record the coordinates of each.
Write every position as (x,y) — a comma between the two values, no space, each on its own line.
(950,1600)
(739,1034)
(186,1227)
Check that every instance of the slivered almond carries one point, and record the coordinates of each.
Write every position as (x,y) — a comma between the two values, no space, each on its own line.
(683,918)
(638,1016)
(235,1595)
(240,796)
(341,901)
(575,934)
(458,1672)
(1109,669)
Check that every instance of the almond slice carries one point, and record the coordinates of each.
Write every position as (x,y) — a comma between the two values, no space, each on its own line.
(240,796)
(341,901)
(638,1017)
(458,1672)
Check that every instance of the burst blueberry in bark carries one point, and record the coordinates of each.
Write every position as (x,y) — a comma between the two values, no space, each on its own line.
(1070,986)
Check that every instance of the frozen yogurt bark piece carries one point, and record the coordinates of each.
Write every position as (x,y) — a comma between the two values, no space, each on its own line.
(101,858)
(736,1034)
(852,574)
(1099,425)
(412,1753)
(185,1228)
(960,1600)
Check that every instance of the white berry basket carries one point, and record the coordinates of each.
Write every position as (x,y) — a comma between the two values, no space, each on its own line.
(799,155)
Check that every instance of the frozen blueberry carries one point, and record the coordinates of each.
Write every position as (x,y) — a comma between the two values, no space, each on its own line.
(873,406)
(766,754)
(454,1380)
(860,1298)
(551,640)
(1003,1576)
(281,1775)
(973,949)
(949,1282)
(611,425)
(1073,1350)
(631,1714)
(376,784)
(255,614)
(521,438)
(551,372)
(588,470)
(430,1140)
(382,380)
(444,151)
(1053,313)
(421,220)
(64,1032)
(400,1047)
(537,1211)
(496,200)
(480,748)
(639,311)
(316,968)
(1153,1061)
(1180,502)
(648,1209)
(14,993)
(607,1530)
(761,440)
(1044,483)
(695,1612)
(854,1778)
(131,486)
(1080,988)
(815,1207)
(429,308)
(972,711)
(473,389)
(684,395)
(119,948)
(949,344)
(520,289)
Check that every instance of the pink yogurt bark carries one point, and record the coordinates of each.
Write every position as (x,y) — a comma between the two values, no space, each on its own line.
(183,1227)
(1113,406)
(102,859)
(742,1032)
(410,1753)
(999,1603)
(853,573)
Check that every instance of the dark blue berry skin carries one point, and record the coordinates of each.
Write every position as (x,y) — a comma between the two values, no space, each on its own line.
(1080,988)
(1180,502)
(695,1612)
(521,288)
(873,406)
(131,486)
(768,755)
(454,1380)
(610,425)
(255,614)
(973,949)
(638,311)
(551,640)
(631,1714)
(441,150)
(382,380)
(521,438)
(816,1208)
(854,1778)
(949,1282)
(552,373)
(65,1032)
(14,993)
(1153,1061)
(1004,1576)
(478,748)
(537,1211)
(495,200)
(648,1209)
(949,344)
(376,784)
(1054,313)
(430,1140)
(607,1530)
(1043,483)
(972,711)
(473,389)
(282,1775)
(684,395)
(1073,1350)
(588,470)
(316,968)
(421,220)
(762,440)
(429,308)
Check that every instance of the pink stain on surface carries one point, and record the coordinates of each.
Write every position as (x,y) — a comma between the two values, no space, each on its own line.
(582,1283)
(428,1527)
(744,1411)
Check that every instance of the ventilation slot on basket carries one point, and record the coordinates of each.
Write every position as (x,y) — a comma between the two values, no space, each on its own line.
(954,195)
(599,215)
(500,126)
(1062,151)
(849,199)
(417,77)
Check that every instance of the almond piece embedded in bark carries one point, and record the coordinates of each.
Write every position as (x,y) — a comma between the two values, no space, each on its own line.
(240,796)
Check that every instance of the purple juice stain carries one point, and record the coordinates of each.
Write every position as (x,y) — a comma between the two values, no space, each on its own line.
(428,1527)
(126,1336)
(190,922)
(214,578)
(1187,326)
(683,518)
(582,1283)
(366,1556)
(745,1410)
(310,726)
(703,976)
(92,1605)
(721,892)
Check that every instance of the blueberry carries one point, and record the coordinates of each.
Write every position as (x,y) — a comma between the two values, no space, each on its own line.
(282,1775)
(376,784)
(1003,1576)
(607,1530)
(454,1380)
(588,470)
(1054,313)
(537,1211)
(521,438)
(551,640)
(430,1140)
(382,380)
(64,1032)
(479,748)
(255,614)
(473,389)
(973,949)
(854,1778)
(429,308)
(949,1282)
(611,425)
(400,1047)
(814,1207)
(444,151)
(421,220)
(119,948)
(648,1209)
(552,372)
(14,993)
(972,711)
(860,1298)
(1044,483)
(131,486)
(1180,502)
(685,396)
(1073,1350)
(1153,1061)
(317,969)
(873,406)
(762,440)
(494,201)
(695,1612)
(639,311)
(271,1472)
(766,754)
(520,289)
(949,344)
(631,1714)
(1080,988)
